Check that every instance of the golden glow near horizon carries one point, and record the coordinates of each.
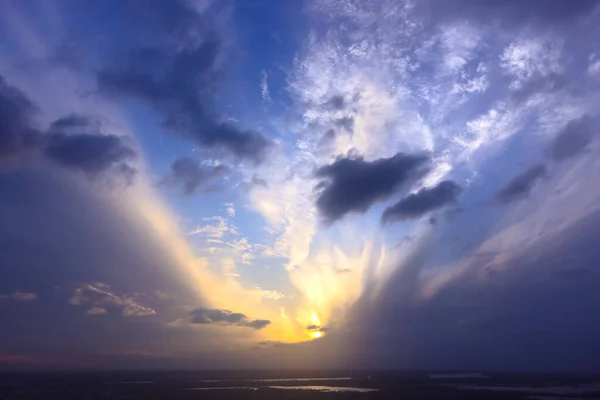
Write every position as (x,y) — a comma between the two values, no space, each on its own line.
(331,279)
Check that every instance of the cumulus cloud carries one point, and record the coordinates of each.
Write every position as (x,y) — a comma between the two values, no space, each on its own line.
(226,317)
(100,297)
(572,140)
(177,75)
(186,173)
(352,184)
(17,295)
(522,184)
(422,202)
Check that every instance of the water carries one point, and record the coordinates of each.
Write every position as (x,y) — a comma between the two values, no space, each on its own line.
(325,388)
(315,388)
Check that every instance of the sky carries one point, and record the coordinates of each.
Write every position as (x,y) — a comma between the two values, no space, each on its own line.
(324,184)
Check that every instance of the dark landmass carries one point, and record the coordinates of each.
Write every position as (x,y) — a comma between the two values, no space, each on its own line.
(390,385)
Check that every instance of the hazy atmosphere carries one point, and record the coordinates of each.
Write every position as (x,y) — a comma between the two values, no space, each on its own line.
(323,184)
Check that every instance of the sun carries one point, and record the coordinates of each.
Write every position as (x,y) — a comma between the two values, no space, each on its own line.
(316,335)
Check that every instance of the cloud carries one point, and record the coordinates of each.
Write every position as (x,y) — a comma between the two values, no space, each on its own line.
(217,230)
(186,173)
(425,200)
(572,140)
(215,316)
(92,154)
(509,12)
(493,311)
(101,298)
(16,113)
(230,209)
(522,184)
(96,311)
(316,328)
(19,296)
(65,144)
(353,184)
(177,75)
(137,310)
(264,86)
(72,121)
(337,102)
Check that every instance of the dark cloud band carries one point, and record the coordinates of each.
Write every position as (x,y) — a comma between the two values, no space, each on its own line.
(353,184)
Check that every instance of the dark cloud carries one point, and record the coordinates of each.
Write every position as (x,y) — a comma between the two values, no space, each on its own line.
(215,316)
(258,181)
(73,141)
(425,200)
(72,121)
(522,184)
(346,123)
(178,75)
(353,184)
(572,140)
(337,102)
(92,154)
(187,174)
(16,113)
(316,328)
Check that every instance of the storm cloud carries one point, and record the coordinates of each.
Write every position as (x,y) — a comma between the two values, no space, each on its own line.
(422,202)
(522,184)
(352,184)
(226,317)
(177,75)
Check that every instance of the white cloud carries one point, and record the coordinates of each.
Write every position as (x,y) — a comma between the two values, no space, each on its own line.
(266,294)
(230,209)
(528,58)
(96,311)
(216,230)
(101,298)
(264,86)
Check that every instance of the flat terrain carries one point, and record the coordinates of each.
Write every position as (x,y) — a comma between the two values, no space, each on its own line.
(271,385)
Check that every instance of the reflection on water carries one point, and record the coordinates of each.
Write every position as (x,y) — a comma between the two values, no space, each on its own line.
(345,378)
(315,388)
(456,376)
(225,388)
(325,388)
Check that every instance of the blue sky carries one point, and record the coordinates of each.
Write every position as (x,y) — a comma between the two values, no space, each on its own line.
(255,183)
